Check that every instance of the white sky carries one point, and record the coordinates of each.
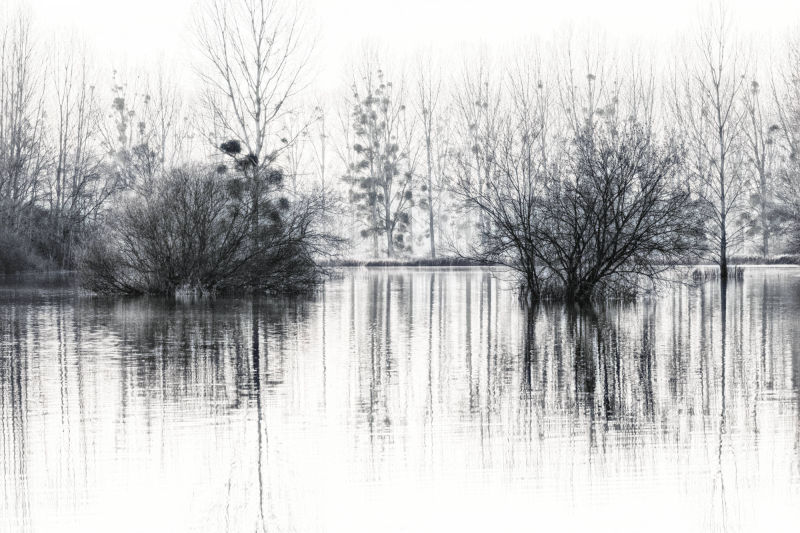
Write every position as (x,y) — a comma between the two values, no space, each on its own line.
(127,33)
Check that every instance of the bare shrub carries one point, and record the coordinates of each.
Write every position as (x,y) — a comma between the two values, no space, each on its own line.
(195,231)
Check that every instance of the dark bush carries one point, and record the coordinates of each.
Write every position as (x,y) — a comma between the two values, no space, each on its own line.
(16,254)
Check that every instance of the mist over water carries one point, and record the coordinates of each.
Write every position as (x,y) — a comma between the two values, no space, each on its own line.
(402,400)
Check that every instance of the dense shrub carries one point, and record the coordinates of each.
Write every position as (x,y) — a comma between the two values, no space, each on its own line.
(16,254)
(201,231)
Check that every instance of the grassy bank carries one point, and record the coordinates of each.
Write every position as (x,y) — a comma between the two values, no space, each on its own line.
(786,259)
(409,262)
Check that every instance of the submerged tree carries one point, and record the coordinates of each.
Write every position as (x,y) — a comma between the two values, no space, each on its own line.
(602,212)
(196,232)
(621,217)
(381,177)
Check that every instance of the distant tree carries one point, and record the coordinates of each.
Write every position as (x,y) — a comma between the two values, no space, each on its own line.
(761,134)
(477,121)
(708,108)
(78,184)
(432,114)
(147,129)
(786,97)
(319,140)
(23,157)
(381,177)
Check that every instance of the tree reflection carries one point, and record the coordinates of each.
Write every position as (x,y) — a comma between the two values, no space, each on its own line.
(435,374)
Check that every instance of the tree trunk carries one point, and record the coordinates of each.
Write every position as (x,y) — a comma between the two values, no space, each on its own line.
(723,253)
(432,231)
(389,247)
(428,154)
(764,221)
(374,229)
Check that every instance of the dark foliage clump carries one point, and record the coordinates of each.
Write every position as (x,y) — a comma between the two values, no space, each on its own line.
(16,254)
(232,147)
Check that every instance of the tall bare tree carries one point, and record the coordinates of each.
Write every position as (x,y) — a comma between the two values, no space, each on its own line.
(255,54)
(477,109)
(320,140)
(431,113)
(707,101)
(78,184)
(786,96)
(23,159)
(761,137)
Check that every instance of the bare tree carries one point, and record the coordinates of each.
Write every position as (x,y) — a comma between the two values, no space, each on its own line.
(343,146)
(707,105)
(760,133)
(23,159)
(600,210)
(477,108)
(786,96)
(319,139)
(431,112)
(255,56)
(78,185)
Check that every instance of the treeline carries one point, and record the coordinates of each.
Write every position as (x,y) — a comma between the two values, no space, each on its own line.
(584,171)
(70,150)
(587,173)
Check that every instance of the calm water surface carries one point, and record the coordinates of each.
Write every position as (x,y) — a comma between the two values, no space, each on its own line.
(402,400)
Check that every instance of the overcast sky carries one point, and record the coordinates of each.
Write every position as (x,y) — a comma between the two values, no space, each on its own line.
(134,32)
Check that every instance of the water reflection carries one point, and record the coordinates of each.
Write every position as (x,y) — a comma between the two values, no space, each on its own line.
(402,400)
